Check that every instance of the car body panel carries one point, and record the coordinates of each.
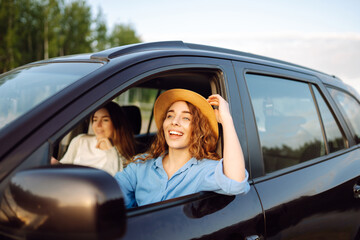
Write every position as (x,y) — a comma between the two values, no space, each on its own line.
(307,201)
(212,216)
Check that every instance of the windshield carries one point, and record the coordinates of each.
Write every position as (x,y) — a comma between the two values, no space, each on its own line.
(24,88)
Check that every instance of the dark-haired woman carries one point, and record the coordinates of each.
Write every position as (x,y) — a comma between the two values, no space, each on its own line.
(109,148)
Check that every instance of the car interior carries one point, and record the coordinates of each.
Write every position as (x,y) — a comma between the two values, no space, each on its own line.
(140,111)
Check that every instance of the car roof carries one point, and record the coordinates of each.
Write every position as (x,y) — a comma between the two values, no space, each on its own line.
(116,52)
(182,48)
(112,53)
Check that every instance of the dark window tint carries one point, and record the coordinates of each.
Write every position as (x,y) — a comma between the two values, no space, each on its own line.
(287,121)
(334,136)
(350,109)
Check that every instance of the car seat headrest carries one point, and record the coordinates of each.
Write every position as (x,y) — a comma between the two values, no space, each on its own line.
(134,117)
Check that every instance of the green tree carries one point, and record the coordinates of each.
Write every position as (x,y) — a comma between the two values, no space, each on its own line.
(123,35)
(30,43)
(9,16)
(51,22)
(32,30)
(100,39)
(27,30)
(76,28)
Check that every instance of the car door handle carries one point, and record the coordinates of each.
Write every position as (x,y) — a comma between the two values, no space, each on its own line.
(356,189)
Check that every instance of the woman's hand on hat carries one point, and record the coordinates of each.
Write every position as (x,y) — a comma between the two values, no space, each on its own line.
(104,143)
(222,111)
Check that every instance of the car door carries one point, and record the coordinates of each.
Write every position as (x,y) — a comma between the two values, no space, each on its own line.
(201,215)
(308,167)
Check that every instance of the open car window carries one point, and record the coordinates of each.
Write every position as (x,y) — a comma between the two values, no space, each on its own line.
(138,102)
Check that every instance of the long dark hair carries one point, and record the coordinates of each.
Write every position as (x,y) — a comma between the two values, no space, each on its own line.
(123,135)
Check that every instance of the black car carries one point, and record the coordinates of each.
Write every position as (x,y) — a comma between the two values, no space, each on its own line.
(299,129)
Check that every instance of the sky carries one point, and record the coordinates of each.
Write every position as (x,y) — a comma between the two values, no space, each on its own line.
(319,34)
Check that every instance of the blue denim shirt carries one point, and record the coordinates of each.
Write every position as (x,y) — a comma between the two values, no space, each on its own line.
(147,182)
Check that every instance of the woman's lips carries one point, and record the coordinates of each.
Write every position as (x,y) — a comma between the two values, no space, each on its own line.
(176,133)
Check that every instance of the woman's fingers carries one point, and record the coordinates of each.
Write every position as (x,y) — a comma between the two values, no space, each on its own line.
(54,161)
(217,100)
(214,99)
(222,105)
(104,144)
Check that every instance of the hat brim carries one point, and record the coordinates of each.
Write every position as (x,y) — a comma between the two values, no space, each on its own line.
(166,99)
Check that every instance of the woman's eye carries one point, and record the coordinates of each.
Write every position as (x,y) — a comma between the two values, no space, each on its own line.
(169,116)
(186,118)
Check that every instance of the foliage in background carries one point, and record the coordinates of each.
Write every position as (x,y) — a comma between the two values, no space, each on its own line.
(32,30)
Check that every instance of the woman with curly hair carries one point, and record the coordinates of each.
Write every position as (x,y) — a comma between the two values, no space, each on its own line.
(183,159)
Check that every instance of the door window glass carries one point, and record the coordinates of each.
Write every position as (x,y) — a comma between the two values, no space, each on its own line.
(333,134)
(287,121)
(350,110)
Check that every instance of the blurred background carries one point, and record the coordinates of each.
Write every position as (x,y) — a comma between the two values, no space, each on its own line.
(319,34)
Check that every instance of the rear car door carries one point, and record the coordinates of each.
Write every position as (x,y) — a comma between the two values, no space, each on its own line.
(308,164)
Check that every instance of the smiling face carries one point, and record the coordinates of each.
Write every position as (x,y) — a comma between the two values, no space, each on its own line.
(102,124)
(177,126)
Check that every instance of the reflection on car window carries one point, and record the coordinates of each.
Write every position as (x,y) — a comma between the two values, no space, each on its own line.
(287,121)
(24,88)
(350,109)
(334,136)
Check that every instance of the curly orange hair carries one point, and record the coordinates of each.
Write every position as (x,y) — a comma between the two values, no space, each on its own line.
(202,141)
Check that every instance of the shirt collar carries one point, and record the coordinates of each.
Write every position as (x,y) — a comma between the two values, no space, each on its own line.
(158,163)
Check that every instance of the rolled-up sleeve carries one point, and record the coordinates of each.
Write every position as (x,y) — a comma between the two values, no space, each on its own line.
(229,186)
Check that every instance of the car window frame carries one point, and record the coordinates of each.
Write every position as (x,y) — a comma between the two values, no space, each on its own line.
(347,128)
(255,151)
(341,129)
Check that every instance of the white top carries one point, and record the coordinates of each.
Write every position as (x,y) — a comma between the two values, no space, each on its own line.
(82,151)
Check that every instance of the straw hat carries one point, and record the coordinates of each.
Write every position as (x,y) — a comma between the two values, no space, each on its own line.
(167,98)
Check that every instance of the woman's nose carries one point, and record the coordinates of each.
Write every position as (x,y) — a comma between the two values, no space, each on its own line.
(97,124)
(175,121)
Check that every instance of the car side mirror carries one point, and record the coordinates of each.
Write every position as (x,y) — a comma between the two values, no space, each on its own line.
(63,202)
